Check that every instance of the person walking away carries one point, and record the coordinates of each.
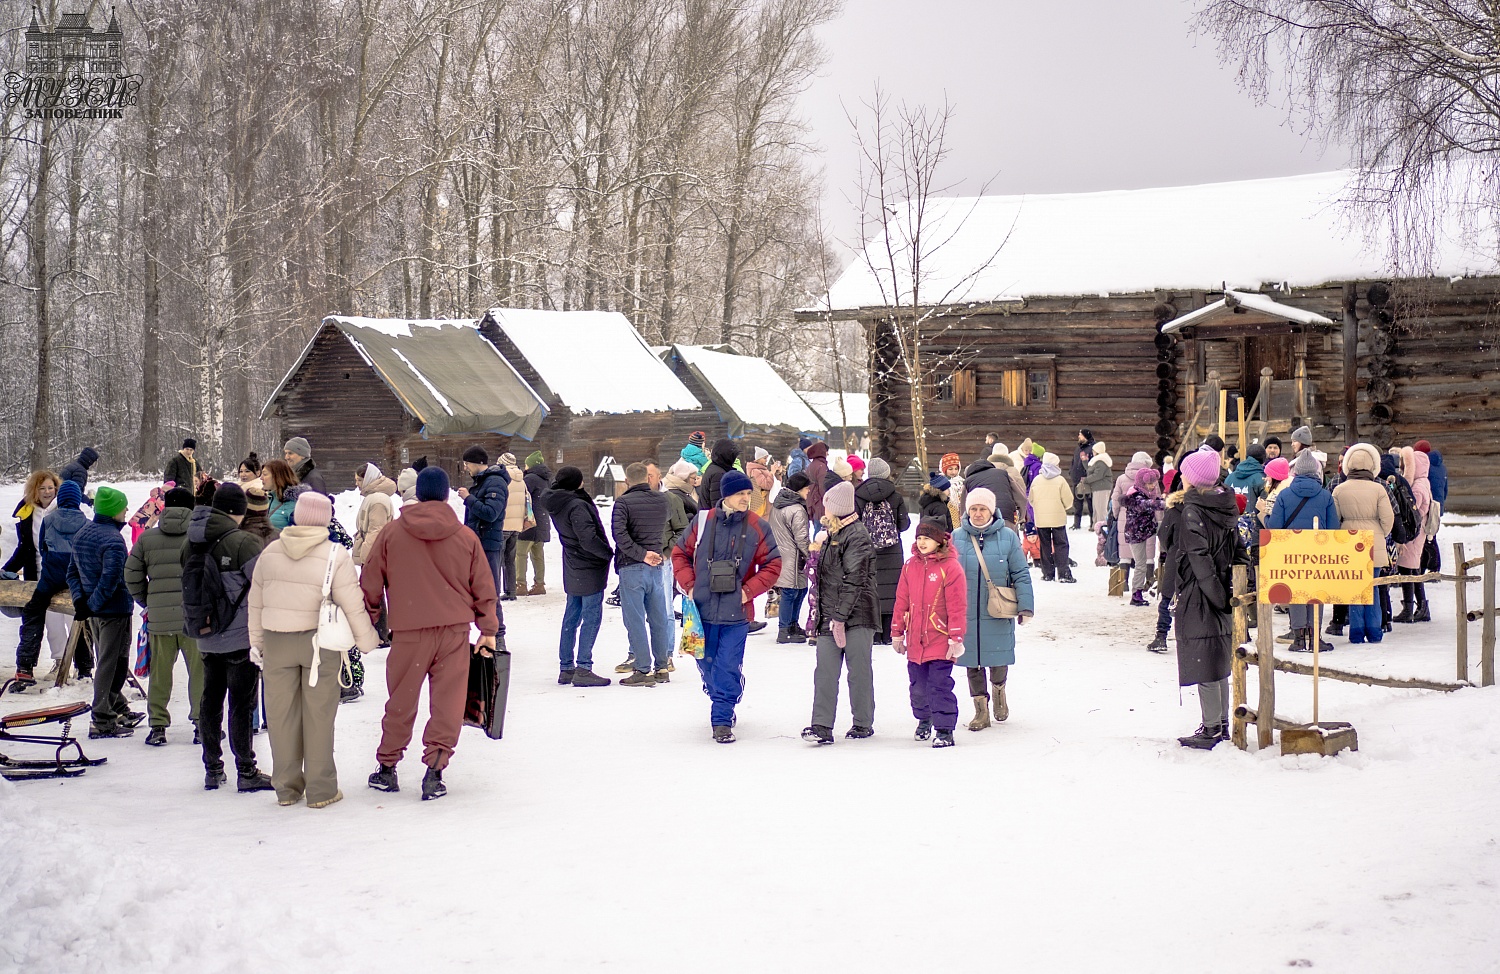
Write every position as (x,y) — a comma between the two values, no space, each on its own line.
(1437,483)
(1168,534)
(438,581)
(406,485)
(726,456)
(1078,471)
(78,470)
(153,574)
(586,557)
(1050,499)
(484,508)
(1305,504)
(531,545)
(639,524)
(1003,481)
(797,461)
(931,613)
(181,468)
(693,452)
(727,559)
(817,474)
(936,500)
(96,580)
(990,642)
(848,619)
(297,453)
(791,527)
(1415,468)
(1364,505)
(1097,483)
(1207,551)
(882,510)
(515,523)
(1143,505)
(217,565)
(48,519)
(302,679)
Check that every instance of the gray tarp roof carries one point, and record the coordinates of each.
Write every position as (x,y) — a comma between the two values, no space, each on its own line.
(445,373)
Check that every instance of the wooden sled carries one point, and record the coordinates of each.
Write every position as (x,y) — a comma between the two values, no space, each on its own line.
(59,766)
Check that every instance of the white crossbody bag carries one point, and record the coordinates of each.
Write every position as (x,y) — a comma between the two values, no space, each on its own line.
(334,632)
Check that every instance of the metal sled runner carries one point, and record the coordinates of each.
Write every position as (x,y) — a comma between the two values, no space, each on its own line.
(59,766)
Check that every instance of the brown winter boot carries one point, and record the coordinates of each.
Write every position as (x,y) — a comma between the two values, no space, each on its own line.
(981,714)
(537,589)
(1002,709)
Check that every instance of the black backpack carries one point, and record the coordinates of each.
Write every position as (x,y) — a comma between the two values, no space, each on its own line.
(1407,527)
(207,609)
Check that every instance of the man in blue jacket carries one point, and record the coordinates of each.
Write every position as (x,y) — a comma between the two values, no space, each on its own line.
(96,580)
(736,563)
(1304,504)
(58,530)
(484,510)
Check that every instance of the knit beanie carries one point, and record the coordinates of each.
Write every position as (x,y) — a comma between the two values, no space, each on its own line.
(179,497)
(1302,435)
(733,483)
(949,460)
(698,439)
(842,468)
(432,484)
(1146,480)
(1037,450)
(856,462)
(314,510)
(803,442)
(476,454)
(937,481)
(879,469)
(1144,458)
(839,501)
(1199,468)
(1279,469)
(229,498)
(1276,440)
(1307,465)
(796,482)
(1257,452)
(682,469)
(1099,447)
(762,455)
(1049,458)
(999,450)
(1241,501)
(419,464)
(189,444)
(571,478)
(980,497)
(255,496)
(1422,446)
(299,446)
(509,459)
(110,502)
(535,459)
(932,528)
(70,495)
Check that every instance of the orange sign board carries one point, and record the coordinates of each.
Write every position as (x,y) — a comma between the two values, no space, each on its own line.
(1316,567)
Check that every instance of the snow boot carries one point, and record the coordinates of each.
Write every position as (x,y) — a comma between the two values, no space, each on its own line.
(24,680)
(1136,598)
(756,627)
(1204,738)
(350,694)
(111,729)
(1300,642)
(1407,610)
(723,735)
(784,636)
(584,677)
(565,677)
(1002,709)
(131,718)
(924,730)
(858,733)
(798,632)
(981,713)
(213,779)
(817,734)
(614,598)
(432,785)
(384,779)
(1287,637)
(944,738)
(626,667)
(1066,577)
(196,738)
(639,679)
(1158,644)
(255,780)
(538,589)
(663,675)
(157,737)
(1422,614)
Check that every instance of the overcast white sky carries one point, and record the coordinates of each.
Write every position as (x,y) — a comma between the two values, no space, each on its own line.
(1051,96)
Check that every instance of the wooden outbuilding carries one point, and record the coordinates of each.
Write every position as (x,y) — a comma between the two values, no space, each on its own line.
(392,390)
(744,398)
(1130,312)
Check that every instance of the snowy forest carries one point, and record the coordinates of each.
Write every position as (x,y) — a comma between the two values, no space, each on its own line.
(288,160)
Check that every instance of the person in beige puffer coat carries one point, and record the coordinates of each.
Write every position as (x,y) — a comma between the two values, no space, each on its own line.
(1364,505)
(515,522)
(377,508)
(301,682)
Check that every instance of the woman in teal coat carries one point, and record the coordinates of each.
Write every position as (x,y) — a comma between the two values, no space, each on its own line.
(990,642)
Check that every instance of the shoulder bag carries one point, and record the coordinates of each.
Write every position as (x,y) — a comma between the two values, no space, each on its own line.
(1003,603)
(334,632)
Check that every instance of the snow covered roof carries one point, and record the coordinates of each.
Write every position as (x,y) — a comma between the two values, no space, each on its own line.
(1290,229)
(446,374)
(826,404)
(1234,300)
(594,361)
(748,393)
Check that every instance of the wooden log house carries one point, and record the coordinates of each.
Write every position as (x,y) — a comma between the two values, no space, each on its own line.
(743,398)
(1127,313)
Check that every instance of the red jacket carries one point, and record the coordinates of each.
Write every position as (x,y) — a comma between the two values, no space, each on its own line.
(435,570)
(932,604)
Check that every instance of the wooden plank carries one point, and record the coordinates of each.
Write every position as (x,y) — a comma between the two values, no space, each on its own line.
(17,595)
(1265,641)
(1343,676)
(1461,606)
(1237,663)
(1487,630)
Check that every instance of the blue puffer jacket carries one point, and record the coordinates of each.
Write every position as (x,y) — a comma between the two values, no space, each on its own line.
(58,531)
(1437,477)
(484,508)
(1319,505)
(97,571)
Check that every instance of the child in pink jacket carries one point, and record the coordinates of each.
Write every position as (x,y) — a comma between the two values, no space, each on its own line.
(928,627)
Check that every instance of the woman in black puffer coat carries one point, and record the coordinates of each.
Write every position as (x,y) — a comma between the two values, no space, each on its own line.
(882,509)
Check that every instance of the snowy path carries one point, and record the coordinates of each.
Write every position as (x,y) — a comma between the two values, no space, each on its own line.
(607,830)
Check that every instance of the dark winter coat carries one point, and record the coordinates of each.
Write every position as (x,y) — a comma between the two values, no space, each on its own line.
(888,560)
(484,508)
(817,471)
(309,476)
(758,557)
(235,551)
(1082,454)
(97,572)
(726,452)
(58,531)
(182,472)
(259,524)
(638,525)
(153,572)
(1206,554)
(23,559)
(78,470)
(846,580)
(935,507)
(1319,505)
(1437,477)
(1142,509)
(1168,534)
(586,551)
(538,482)
(1247,477)
(789,523)
(684,508)
(996,479)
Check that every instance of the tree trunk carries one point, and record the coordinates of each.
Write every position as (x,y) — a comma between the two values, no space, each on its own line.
(41,416)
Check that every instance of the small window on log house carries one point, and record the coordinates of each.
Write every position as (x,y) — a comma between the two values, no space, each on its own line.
(1039,387)
(1028,386)
(942,389)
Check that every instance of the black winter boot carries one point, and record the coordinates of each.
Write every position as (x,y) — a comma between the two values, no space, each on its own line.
(944,738)
(1422,614)
(432,785)
(817,734)
(924,730)
(1205,738)
(253,780)
(858,733)
(1158,644)
(1300,641)
(384,779)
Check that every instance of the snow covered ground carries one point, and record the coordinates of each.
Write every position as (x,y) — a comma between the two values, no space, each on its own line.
(607,831)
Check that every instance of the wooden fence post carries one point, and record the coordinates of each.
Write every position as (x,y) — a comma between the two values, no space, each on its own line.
(1236,664)
(1461,610)
(1265,643)
(1487,631)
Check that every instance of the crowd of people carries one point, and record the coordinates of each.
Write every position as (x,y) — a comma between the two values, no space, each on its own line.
(269,601)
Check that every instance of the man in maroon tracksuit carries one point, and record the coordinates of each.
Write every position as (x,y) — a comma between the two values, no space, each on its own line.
(437,582)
